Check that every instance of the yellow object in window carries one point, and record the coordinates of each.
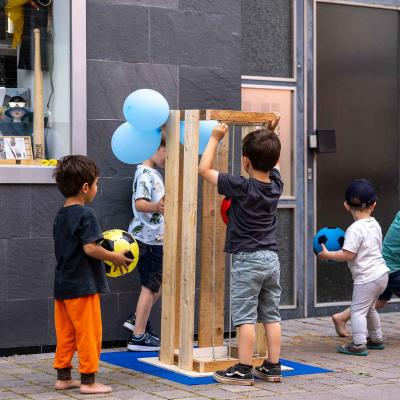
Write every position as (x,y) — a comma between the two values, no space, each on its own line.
(15,11)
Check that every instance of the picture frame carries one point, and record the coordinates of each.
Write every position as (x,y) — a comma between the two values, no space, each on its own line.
(15,148)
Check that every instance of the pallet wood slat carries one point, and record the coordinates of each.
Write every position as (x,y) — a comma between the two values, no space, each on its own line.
(168,318)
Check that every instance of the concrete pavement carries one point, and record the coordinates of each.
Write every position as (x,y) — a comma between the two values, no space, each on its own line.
(311,341)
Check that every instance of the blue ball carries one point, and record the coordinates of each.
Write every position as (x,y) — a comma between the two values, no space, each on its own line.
(332,238)
(146,109)
(205,130)
(132,146)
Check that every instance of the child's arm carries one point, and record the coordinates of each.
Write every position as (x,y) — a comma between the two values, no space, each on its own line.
(339,256)
(205,167)
(94,250)
(150,206)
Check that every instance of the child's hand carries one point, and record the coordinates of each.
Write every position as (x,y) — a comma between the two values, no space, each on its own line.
(220,131)
(121,262)
(160,206)
(324,254)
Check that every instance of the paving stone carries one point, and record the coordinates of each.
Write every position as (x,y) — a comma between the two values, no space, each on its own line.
(174,394)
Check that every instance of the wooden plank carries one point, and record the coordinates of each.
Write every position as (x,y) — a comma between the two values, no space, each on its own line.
(261,344)
(201,365)
(189,223)
(241,117)
(213,260)
(168,317)
(178,264)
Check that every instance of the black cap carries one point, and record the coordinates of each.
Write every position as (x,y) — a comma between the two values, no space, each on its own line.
(360,193)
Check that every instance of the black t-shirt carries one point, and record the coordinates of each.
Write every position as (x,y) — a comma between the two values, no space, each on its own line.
(77,274)
(252,215)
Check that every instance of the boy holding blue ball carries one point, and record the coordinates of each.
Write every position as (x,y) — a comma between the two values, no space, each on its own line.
(362,249)
(391,255)
(251,238)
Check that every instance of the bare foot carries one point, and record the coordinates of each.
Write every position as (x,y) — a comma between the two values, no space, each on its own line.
(95,388)
(340,325)
(64,385)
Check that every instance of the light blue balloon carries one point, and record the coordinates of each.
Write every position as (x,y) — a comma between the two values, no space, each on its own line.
(146,109)
(132,146)
(205,130)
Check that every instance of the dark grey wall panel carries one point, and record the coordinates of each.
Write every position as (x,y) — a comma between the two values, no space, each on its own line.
(194,39)
(267,38)
(3,271)
(144,3)
(45,203)
(26,322)
(109,43)
(209,88)
(15,211)
(231,8)
(31,273)
(99,149)
(109,83)
(116,195)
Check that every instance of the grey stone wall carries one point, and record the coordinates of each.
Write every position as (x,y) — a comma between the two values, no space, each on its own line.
(188,50)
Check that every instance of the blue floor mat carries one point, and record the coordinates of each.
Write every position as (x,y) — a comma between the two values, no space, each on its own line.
(130,360)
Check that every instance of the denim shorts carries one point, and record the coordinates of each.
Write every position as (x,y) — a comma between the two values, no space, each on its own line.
(255,288)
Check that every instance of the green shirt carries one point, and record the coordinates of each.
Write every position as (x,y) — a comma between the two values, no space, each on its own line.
(391,245)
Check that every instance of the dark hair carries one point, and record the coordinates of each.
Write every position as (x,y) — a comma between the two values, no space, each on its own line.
(74,171)
(263,149)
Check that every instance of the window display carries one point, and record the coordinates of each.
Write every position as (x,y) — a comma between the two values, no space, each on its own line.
(34,79)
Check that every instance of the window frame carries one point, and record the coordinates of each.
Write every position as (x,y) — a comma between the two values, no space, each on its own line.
(36,174)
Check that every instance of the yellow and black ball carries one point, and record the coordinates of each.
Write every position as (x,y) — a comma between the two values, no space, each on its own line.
(121,242)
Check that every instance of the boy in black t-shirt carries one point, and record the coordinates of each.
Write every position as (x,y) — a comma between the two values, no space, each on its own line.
(79,275)
(250,236)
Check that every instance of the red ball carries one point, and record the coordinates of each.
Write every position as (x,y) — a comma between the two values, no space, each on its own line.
(225,205)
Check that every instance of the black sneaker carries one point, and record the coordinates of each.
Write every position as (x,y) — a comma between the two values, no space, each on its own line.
(236,375)
(144,342)
(129,325)
(269,371)
(375,344)
(353,349)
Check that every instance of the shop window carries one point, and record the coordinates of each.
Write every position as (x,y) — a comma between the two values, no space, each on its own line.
(35,113)
(277,99)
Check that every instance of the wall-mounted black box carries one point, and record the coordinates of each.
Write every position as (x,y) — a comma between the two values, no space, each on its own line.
(326,141)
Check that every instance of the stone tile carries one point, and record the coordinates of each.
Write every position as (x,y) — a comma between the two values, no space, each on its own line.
(174,394)
(115,205)
(27,322)
(144,3)
(209,88)
(45,203)
(109,83)
(32,278)
(195,39)
(220,394)
(130,43)
(136,394)
(230,7)
(386,392)
(15,211)
(10,396)
(49,396)
(99,149)
(3,272)
(109,309)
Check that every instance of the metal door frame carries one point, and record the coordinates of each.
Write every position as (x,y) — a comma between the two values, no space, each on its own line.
(311,306)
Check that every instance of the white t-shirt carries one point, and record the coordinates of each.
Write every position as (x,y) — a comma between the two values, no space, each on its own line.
(147,227)
(364,238)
